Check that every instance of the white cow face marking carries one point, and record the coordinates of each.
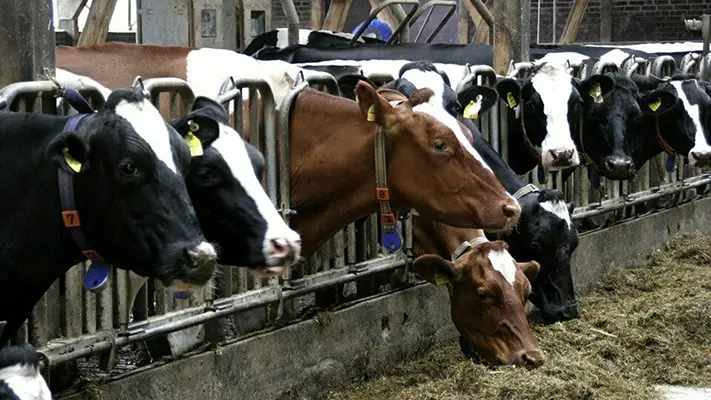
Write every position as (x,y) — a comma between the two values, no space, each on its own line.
(693,98)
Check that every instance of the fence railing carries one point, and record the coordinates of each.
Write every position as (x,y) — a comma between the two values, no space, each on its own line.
(70,323)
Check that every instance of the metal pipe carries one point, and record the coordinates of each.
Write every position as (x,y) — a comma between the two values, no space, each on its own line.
(429,7)
(538,22)
(555,11)
(374,12)
(484,12)
(706,31)
(292,20)
(68,351)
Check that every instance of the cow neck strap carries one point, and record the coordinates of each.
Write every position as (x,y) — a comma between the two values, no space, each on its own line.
(466,246)
(98,272)
(663,143)
(530,188)
(390,236)
(582,146)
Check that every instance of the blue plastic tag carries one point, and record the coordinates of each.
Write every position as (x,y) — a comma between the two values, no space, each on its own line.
(403,215)
(97,276)
(391,240)
(180,294)
(594,178)
(671,162)
(542,176)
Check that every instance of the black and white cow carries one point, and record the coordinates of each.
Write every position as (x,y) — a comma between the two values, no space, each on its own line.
(545,233)
(131,204)
(233,209)
(20,377)
(618,134)
(684,128)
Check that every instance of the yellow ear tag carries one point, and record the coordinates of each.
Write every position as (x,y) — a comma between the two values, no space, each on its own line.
(356,96)
(71,161)
(596,93)
(440,279)
(471,111)
(194,144)
(655,106)
(510,99)
(371,113)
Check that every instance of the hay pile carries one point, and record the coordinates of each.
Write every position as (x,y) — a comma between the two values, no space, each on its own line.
(641,326)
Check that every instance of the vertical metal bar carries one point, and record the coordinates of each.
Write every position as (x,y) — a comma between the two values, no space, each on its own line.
(555,22)
(73,307)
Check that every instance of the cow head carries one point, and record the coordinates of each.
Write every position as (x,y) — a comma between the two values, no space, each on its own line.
(616,123)
(686,126)
(488,291)
(547,235)
(20,376)
(424,138)
(233,208)
(128,167)
(547,104)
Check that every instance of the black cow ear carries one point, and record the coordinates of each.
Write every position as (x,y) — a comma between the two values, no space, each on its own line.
(476,100)
(509,91)
(257,160)
(596,87)
(69,151)
(198,129)
(571,207)
(657,102)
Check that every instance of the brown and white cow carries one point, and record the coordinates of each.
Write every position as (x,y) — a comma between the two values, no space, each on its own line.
(487,290)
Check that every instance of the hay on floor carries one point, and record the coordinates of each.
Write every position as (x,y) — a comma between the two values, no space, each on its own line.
(641,326)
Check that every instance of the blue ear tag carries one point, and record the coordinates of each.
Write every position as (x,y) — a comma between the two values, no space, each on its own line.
(403,215)
(391,240)
(542,176)
(180,294)
(97,276)
(669,165)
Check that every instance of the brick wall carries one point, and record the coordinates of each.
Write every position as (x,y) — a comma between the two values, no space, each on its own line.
(632,20)
(303,9)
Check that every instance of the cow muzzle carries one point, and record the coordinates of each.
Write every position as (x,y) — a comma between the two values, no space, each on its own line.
(618,168)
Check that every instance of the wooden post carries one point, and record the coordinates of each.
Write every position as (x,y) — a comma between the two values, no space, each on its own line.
(512,33)
(316,14)
(605,21)
(336,16)
(463,22)
(26,40)
(572,25)
(97,23)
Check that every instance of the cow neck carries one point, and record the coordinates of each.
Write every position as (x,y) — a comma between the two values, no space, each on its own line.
(71,218)
(585,155)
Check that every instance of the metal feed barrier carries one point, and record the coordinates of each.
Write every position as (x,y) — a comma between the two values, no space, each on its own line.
(353,261)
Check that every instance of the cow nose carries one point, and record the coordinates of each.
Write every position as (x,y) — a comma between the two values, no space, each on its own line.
(701,158)
(282,251)
(618,167)
(202,254)
(532,358)
(562,155)
(512,212)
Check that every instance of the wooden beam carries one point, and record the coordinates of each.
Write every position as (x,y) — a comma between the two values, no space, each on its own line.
(605,21)
(316,14)
(27,43)
(336,16)
(572,25)
(463,22)
(512,33)
(97,23)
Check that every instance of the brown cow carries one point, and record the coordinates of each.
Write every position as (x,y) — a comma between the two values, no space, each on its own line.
(487,290)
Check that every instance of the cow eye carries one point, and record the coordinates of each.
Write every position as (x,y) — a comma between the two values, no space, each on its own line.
(128,168)
(483,296)
(440,146)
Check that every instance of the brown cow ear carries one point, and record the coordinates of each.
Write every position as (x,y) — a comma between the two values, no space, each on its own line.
(434,269)
(530,269)
(373,106)
(420,96)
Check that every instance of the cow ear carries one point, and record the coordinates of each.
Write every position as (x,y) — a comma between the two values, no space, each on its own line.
(420,96)
(69,151)
(509,91)
(347,84)
(596,87)
(374,107)
(657,102)
(571,208)
(435,269)
(530,269)
(198,130)
(476,100)
(257,160)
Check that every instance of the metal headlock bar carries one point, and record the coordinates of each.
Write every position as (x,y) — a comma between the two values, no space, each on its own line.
(403,28)
(691,63)
(484,75)
(101,337)
(429,7)
(602,67)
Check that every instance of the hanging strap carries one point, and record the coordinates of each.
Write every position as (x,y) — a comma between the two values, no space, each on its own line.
(466,246)
(530,188)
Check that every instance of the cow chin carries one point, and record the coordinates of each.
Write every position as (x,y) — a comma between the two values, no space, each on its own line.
(193,264)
